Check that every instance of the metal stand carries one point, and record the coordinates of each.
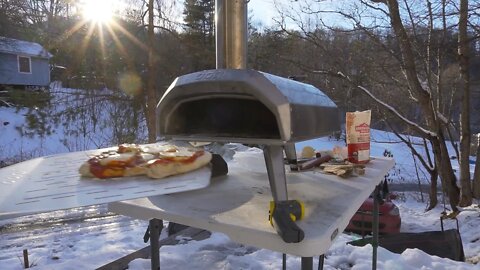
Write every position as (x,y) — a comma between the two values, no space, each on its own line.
(376,201)
(321,261)
(307,263)
(155,227)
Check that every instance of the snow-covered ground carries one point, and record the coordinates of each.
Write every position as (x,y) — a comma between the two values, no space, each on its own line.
(89,237)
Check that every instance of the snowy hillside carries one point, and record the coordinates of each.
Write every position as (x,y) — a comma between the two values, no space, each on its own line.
(74,120)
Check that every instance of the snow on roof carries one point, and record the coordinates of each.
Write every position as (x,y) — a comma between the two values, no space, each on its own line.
(15,46)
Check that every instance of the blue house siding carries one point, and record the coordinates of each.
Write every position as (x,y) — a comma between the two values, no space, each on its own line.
(9,74)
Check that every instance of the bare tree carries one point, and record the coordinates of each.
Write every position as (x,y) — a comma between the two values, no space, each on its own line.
(419,51)
(465,137)
(152,74)
(424,99)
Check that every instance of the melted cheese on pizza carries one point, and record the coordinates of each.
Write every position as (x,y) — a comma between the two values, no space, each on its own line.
(155,161)
(181,157)
(166,166)
(115,158)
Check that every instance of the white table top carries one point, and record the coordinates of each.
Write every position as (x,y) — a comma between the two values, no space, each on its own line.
(54,183)
(238,204)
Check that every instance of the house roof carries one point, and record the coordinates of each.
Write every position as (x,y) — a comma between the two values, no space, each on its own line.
(15,46)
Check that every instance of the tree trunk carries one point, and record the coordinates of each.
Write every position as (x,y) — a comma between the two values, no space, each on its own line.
(476,174)
(445,170)
(463,55)
(152,72)
(433,200)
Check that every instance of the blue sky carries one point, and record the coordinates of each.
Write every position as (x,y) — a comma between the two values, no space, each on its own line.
(262,11)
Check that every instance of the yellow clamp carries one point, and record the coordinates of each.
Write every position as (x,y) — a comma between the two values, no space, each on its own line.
(296,209)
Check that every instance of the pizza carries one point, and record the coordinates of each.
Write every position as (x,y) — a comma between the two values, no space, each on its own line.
(155,161)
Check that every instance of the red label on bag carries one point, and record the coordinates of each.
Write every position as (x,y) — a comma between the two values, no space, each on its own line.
(359,152)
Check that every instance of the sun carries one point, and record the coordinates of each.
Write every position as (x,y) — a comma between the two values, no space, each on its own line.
(99,11)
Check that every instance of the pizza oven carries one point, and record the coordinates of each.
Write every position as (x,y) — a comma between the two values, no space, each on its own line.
(245,106)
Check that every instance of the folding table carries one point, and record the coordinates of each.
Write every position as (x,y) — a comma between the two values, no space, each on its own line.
(237,204)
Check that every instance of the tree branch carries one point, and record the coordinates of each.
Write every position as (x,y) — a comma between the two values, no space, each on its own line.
(414,151)
(423,132)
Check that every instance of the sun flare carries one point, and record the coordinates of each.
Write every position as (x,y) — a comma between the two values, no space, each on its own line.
(100,11)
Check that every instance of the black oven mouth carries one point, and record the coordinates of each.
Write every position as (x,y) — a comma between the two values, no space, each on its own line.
(210,116)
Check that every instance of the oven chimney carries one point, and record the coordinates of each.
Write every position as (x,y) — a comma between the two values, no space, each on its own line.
(231,34)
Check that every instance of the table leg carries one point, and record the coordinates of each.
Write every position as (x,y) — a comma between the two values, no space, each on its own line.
(155,226)
(307,263)
(321,261)
(376,201)
(284,261)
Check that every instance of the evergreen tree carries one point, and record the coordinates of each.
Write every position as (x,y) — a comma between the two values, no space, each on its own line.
(199,33)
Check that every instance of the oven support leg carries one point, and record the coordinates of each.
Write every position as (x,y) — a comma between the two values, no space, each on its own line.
(291,154)
(376,202)
(276,171)
(281,209)
(155,226)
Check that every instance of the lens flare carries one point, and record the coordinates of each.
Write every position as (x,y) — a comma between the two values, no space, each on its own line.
(130,83)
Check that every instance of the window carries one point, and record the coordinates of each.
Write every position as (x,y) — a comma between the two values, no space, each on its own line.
(24,64)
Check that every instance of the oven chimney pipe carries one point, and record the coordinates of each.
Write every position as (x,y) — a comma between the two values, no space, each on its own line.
(231,34)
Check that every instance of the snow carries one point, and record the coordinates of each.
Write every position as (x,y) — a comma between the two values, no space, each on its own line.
(89,237)
(76,120)
(96,241)
(15,46)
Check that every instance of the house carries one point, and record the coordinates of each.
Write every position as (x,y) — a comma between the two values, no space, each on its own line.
(23,63)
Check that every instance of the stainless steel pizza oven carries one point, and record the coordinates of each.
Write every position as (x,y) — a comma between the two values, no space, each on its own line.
(252,107)
(245,106)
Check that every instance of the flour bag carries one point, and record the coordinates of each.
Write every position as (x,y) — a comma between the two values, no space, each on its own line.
(358,136)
